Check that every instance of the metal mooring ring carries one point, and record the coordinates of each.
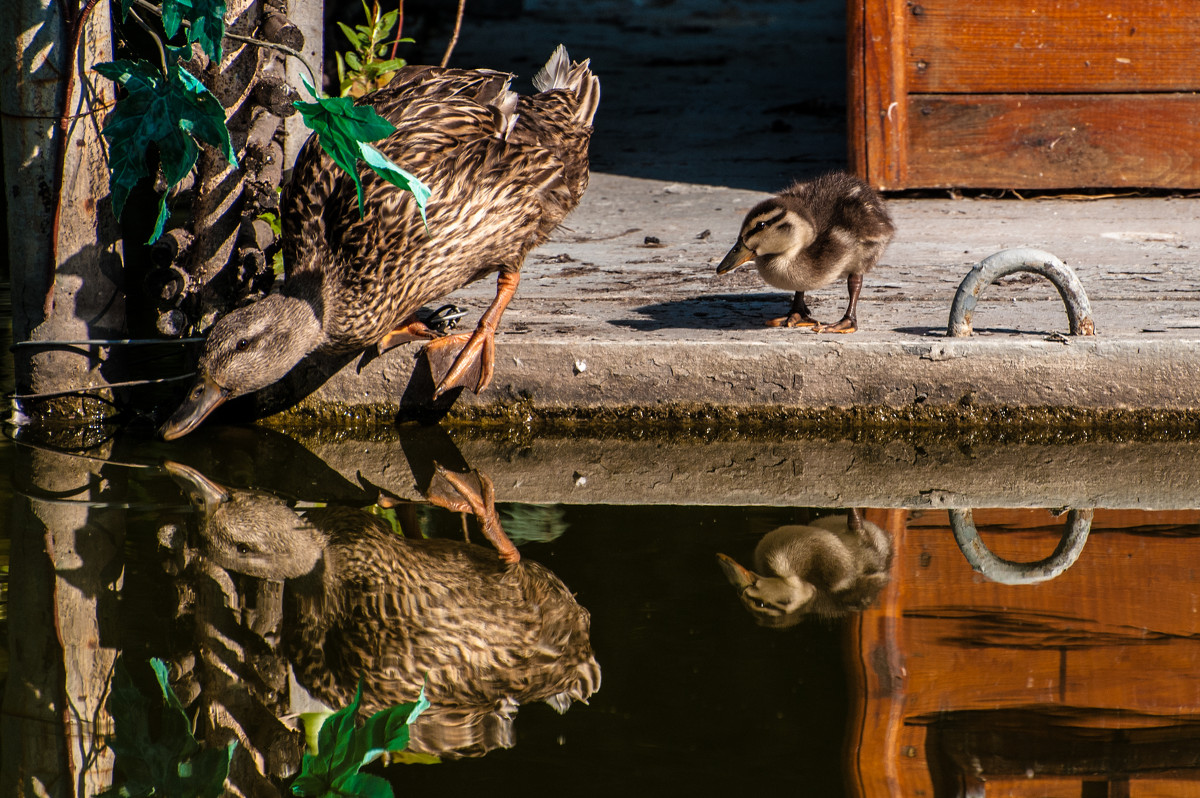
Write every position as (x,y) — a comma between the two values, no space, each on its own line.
(1006,572)
(1023,259)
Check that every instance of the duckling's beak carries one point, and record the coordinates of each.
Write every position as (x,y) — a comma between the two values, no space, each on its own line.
(736,257)
(204,493)
(738,576)
(205,397)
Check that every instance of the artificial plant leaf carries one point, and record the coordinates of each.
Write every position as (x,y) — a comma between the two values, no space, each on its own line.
(207,19)
(172,15)
(398,177)
(207,772)
(341,128)
(364,785)
(387,730)
(146,115)
(166,111)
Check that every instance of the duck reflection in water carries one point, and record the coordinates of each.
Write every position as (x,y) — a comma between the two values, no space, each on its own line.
(834,566)
(482,633)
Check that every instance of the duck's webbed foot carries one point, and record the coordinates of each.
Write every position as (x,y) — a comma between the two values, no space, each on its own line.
(846,325)
(411,329)
(794,320)
(849,322)
(463,360)
(469,360)
(798,315)
(473,493)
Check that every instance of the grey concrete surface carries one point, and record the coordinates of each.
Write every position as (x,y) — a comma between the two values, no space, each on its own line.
(707,106)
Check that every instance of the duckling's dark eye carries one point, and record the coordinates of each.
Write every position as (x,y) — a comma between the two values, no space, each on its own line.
(762,605)
(242,345)
(760,226)
(242,548)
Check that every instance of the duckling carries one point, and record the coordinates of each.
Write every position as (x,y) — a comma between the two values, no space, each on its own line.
(836,565)
(480,634)
(504,171)
(811,234)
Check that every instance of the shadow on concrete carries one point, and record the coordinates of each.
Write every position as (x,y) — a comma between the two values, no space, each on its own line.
(740,93)
(709,312)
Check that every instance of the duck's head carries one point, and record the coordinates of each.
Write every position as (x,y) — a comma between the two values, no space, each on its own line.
(247,350)
(248,531)
(774,601)
(771,229)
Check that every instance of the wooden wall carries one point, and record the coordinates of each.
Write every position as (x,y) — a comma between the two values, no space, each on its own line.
(1107,655)
(1035,94)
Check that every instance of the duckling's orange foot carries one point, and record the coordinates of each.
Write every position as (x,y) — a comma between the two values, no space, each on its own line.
(465,360)
(794,320)
(843,326)
(411,329)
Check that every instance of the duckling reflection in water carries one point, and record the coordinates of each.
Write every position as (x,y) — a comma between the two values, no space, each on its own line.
(830,568)
(481,633)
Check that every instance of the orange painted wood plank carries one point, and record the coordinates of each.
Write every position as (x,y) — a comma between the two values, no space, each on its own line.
(1052,141)
(884,109)
(1069,46)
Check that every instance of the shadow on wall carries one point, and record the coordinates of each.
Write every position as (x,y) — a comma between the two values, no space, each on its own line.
(741,93)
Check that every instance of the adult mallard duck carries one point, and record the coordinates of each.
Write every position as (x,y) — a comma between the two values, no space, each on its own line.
(829,568)
(810,235)
(504,171)
(483,634)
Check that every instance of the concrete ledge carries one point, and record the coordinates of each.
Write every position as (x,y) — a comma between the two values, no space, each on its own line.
(1082,373)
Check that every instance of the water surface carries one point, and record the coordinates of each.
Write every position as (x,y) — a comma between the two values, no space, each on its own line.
(233,559)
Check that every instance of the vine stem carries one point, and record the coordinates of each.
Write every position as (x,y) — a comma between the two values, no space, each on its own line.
(457,28)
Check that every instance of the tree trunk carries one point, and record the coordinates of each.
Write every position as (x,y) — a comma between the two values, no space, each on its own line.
(67,277)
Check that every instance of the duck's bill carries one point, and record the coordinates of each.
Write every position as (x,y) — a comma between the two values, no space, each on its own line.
(204,493)
(205,397)
(736,257)
(738,575)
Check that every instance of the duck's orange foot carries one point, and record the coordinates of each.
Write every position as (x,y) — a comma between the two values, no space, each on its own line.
(794,320)
(843,326)
(472,493)
(411,329)
(464,360)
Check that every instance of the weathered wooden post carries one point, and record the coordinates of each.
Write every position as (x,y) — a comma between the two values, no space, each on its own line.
(64,245)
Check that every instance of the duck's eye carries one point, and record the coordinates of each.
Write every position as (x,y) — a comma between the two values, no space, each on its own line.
(762,605)
(242,548)
(242,345)
(760,226)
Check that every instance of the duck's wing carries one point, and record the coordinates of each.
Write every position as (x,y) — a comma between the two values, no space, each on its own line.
(313,204)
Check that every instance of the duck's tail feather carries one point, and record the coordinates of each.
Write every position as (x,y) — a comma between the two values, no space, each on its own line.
(561,73)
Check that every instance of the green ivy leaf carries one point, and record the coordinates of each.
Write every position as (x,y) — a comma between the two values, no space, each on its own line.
(343,129)
(169,111)
(171,762)
(398,177)
(172,15)
(344,748)
(206,22)
(208,26)
(365,785)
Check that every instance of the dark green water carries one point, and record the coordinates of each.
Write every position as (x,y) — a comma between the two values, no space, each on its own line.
(106,554)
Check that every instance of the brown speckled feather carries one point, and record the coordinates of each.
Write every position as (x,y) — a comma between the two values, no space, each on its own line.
(494,199)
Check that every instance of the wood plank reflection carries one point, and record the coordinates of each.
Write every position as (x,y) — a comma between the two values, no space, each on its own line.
(951,670)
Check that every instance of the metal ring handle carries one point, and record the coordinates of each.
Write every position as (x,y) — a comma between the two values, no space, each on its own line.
(1023,259)
(1007,572)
